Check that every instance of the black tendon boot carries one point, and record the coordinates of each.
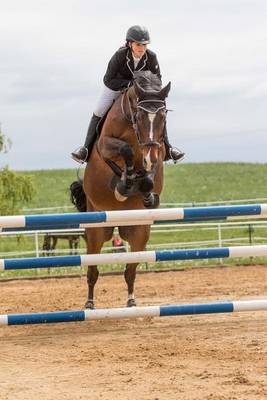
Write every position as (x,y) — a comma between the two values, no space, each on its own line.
(82,154)
(171,152)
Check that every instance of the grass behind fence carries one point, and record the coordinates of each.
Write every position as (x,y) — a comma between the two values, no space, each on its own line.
(184,183)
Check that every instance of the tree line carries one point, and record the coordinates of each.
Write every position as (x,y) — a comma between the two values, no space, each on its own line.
(16,188)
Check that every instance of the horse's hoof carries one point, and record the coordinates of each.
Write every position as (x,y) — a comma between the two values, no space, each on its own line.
(89,305)
(121,191)
(119,196)
(131,303)
(146,185)
(151,201)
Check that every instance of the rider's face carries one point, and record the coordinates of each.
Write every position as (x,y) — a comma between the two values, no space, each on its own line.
(138,49)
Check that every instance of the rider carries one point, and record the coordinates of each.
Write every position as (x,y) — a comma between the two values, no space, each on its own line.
(132,57)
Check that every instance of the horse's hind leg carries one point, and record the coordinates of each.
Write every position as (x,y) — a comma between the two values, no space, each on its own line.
(95,239)
(129,276)
(137,236)
(71,246)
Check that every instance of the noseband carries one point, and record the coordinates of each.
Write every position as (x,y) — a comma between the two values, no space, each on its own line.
(147,106)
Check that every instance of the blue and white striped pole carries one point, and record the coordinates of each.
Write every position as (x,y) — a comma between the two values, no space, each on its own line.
(130,217)
(135,257)
(134,312)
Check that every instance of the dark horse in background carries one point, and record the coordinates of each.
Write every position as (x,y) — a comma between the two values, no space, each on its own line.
(125,169)
(51,240)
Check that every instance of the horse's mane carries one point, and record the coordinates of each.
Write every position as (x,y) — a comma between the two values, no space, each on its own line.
(148,81)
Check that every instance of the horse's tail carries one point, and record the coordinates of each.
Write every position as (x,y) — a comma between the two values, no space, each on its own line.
(77,195)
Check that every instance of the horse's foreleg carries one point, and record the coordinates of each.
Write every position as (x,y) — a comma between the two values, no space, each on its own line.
(112,147)
(76,243)
(148,183)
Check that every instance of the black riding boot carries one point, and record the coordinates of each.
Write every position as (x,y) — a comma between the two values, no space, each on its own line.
(171,152)
(82,154)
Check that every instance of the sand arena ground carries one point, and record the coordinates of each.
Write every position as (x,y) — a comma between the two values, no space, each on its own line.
(213,357)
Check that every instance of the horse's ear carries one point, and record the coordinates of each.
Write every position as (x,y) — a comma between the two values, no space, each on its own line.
(165,91)
(140,92)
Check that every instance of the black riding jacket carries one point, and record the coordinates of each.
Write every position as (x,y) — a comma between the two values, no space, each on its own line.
(120,71)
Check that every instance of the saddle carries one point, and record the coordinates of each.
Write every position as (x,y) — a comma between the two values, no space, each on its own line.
(101,123)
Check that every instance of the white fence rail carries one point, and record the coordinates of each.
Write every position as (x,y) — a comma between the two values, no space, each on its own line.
(172,228)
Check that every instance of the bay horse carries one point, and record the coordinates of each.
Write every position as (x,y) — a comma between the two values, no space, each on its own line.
(125,169)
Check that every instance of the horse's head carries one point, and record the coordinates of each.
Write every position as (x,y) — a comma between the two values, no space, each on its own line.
(150,116)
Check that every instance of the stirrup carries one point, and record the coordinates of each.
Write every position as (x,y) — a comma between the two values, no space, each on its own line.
(75,156)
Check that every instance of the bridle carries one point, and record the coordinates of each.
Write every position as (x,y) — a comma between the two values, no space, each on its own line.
(142,105)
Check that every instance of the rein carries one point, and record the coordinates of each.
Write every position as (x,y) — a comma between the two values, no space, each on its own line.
(132,118)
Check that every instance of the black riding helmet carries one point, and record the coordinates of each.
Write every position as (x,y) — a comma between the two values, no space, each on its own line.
(138,34)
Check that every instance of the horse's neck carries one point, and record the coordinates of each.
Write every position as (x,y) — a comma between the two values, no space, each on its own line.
(124,107)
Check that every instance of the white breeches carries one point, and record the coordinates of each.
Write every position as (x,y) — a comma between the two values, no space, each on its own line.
(105,100)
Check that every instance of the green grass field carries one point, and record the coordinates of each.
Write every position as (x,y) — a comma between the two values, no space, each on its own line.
(185,183)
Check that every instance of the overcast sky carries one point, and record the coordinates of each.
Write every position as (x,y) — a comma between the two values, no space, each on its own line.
(54,54)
